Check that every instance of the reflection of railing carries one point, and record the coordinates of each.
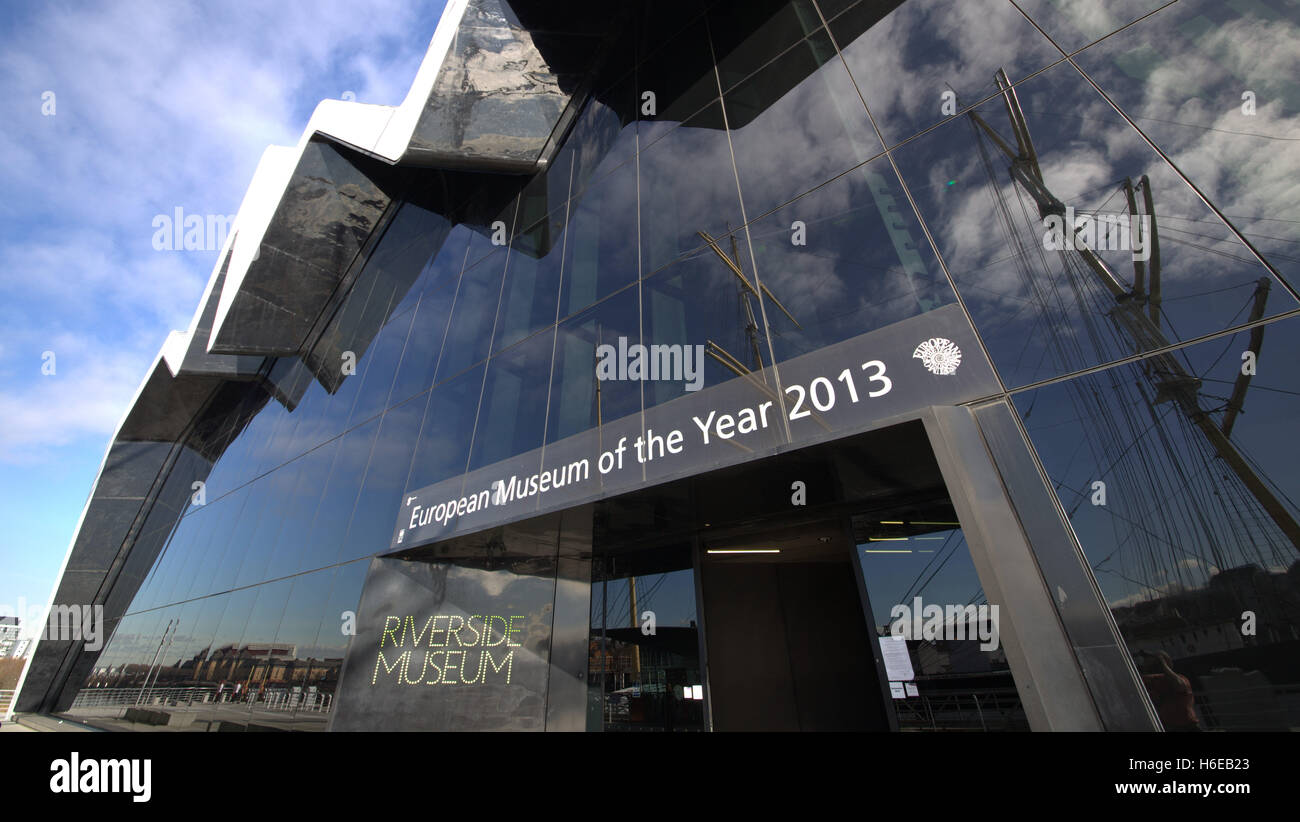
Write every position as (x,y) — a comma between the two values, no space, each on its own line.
(988,709)
(273,699)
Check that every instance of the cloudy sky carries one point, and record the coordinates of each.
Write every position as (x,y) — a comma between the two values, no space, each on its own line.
(114,114)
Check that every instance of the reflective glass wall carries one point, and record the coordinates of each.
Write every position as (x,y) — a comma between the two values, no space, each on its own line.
(771,178)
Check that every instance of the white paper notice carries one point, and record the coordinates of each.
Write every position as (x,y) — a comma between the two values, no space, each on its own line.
(911,689)
(898,664)
(896,690)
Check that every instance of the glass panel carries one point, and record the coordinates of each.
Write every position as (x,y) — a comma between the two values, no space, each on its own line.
(329,400)
(604,138)
(748,34)
(221,519)
(1206,82)
(469,334)
(532,281)
(687,186)
(1047,303)
(277,487)
(326,655)
(578,401)
(1186,512)
(645,681)
(377,505)
(515,390)
(160,575)
(339,498)
(929,59)
(376,368)
(400,259)
(859,262)
(190,633)
(290,554)
(700,301)
(795,124)
(240,534)
(424,344)
(272,453)
(232,469)
(289,701)
(179,684)
(601,242)
(1075,25)
(678,71)
(216,672)
(925,594)
(182,553)
(253,659)
(448,428)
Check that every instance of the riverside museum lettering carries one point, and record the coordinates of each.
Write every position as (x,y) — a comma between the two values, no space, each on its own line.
(471,661)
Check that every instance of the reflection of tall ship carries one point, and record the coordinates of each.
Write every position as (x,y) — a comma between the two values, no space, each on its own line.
(1208,541)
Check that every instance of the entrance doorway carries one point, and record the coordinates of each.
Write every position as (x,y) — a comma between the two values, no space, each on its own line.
(725,602)
(787,643)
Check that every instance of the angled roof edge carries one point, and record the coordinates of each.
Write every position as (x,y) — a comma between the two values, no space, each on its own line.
(268,300)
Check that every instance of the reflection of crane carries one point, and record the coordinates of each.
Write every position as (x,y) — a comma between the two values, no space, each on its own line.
(1171,381)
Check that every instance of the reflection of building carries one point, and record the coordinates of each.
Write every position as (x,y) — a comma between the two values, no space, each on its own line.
(390,389)
(10,627)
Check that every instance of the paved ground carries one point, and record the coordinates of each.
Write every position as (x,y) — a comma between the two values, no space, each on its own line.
(27,723)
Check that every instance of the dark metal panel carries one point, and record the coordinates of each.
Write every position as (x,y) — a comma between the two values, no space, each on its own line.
(1052,687)
(566,693)
(1114,682)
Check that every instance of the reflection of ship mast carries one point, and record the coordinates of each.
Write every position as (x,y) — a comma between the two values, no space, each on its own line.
(747,291)
(1171,381)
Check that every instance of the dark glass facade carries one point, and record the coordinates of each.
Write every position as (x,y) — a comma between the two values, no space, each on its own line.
(772,180)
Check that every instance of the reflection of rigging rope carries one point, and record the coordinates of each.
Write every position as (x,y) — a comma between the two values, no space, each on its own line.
(1174,511)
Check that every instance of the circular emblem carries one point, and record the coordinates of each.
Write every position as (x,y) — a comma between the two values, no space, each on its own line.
(939,356)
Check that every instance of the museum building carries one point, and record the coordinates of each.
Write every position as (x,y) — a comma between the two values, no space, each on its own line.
(734,365)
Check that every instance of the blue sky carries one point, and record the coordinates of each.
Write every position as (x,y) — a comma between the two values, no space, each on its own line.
(155,106)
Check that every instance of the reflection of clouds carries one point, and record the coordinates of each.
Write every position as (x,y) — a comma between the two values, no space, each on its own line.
(1085,150)
(864,264)
(1190,104)
(813,132)
(906,61)
(687,185)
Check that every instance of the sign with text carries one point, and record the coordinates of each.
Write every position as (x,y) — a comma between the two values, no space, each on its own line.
(443,646)
(930,359)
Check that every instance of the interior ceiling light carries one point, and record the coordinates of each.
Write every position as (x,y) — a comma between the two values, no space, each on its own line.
(744,550)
